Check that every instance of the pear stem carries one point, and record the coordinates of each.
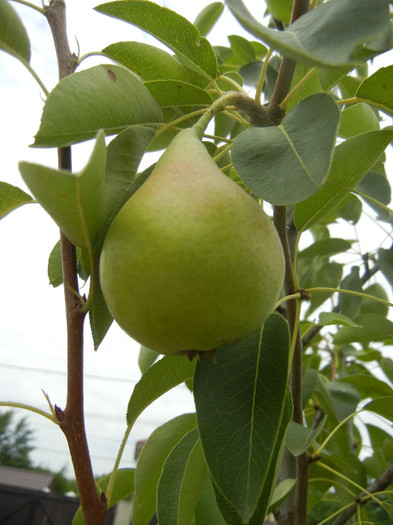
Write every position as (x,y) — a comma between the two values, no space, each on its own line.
(258,115)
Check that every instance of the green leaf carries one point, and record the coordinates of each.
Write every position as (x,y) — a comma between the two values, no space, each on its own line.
(13,35)
(350,304)
(376,186)
(387,366)
(300,438)
(148,62)
(146,358)
(326,248)
(383,406)
(55,271)
(242,48)
(99,315)
(207,18)
(104,97)
(176,32)
(151,461)
(385,260)
(124,154)
(280,10)
(334,318)
(123,487)
(73,200)
(227,510)
(164,375)
(287,163)
(376,89)
(240,403)
(320,36)
(368,385)
(181,481)
(356,119)
(207,509)
(368,305)
(12,197)
(374,327)
(173,93)
(328,275)
(345,398)
(352,160)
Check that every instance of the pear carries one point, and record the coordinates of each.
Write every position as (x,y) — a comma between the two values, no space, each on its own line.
(190,262)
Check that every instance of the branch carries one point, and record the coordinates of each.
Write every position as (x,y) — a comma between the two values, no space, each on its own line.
(378,485)
(294,509)
(72,420)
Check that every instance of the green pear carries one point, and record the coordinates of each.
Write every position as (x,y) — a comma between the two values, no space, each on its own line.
(191,262)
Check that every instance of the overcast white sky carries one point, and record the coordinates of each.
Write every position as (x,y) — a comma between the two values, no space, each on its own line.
(32,325)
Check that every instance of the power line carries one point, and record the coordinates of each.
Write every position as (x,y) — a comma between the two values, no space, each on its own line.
(63,373)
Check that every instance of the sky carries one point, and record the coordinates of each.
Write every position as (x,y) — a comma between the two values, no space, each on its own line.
(32,323)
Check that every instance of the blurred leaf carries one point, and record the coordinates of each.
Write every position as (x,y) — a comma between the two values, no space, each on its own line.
(326,248)
(207,18)
(148,62)
(123,487)
(280,9)
(13,36)
(368,385)
(12,197)
(281,493)
(371,306)
(240,403)
(176,32)
(345,398)
(311,86)
(387,367)
(383,406)
(334,318)
(356,119)
(376,186)
(352,160)
(73,200)
(351,209)
(151,461)
(146,358)
(350,304)
(55,271)
(104,97)
(264,157)
(374,327)
(242,48)
(328,275)
(377,89)
(319,37)
(164,375)
(385,260)
(300,438)
(181,481)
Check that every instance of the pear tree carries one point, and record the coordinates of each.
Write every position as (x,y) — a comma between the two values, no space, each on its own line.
(228,260)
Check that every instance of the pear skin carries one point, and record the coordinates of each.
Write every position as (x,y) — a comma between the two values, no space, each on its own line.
(191,262)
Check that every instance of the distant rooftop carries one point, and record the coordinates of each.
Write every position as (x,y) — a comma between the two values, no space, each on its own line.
(28,479)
